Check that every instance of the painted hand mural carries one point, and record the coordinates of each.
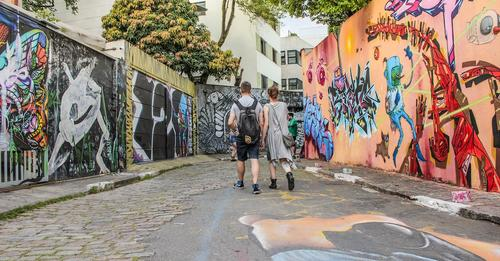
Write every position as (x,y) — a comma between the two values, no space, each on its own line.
(80,109)
(449,8)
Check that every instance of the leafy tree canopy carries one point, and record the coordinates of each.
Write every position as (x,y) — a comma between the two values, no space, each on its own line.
(330,12)
(169,31)
(45,8)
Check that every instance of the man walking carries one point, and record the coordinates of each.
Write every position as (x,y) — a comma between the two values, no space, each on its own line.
(246,117)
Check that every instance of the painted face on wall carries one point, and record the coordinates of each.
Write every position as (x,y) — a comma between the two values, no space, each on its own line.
(393,72)
(484,27)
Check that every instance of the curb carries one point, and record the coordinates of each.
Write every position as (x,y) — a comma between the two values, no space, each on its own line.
(453,208)
(90,189)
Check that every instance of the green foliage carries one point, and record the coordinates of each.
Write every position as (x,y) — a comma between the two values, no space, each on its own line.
(329,12)
(169,31)
(263,9)
(45,8)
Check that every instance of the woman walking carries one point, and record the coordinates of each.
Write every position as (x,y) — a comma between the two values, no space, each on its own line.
(278,138)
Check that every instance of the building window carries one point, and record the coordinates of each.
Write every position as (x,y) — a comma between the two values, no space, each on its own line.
(264,82)
(283,83)
(275,56)
(283,58)
(263,46)
(293,57)
(294,84)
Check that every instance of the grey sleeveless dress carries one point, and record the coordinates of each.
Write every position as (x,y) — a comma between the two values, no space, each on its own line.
(275,145)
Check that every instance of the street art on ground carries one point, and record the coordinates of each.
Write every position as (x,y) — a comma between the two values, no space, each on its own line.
(313,238)
(59,105)
(162,120)
(432,93)
(214,104)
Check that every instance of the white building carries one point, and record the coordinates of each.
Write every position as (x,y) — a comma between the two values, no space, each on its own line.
(256,42)
(291,67)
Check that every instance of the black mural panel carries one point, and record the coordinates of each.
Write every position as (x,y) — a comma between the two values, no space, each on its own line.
(162,121)
(85,105)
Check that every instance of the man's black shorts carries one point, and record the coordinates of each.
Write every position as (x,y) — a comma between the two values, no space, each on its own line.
(247,151)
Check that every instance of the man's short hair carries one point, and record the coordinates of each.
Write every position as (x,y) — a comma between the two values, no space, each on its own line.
(245,87)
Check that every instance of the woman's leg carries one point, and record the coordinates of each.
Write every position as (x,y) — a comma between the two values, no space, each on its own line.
(289,176)
(272,170)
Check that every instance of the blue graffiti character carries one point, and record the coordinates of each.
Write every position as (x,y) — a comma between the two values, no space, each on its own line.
(394,100)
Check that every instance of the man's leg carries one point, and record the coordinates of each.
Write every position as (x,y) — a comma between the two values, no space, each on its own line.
(240,168)
(255,170)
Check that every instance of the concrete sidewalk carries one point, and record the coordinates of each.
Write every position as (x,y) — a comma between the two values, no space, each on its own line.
(37,194)
(484,205)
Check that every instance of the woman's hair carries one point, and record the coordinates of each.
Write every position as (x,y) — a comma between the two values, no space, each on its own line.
(273,92)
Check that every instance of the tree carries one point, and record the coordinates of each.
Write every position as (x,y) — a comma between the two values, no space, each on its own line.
(45,8)
(253,8)
(331,13)
(169,31)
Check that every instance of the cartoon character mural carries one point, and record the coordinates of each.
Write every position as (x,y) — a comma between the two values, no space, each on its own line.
(439,95)
(394,102)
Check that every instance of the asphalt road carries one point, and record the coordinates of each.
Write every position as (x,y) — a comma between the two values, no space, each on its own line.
(322,219)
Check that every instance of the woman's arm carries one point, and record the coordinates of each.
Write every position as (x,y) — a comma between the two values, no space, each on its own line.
(265,125)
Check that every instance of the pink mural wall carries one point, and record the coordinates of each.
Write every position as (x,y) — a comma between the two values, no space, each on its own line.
(413,87)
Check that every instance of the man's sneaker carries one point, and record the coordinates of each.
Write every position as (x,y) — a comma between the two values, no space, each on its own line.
(256,189)
(291,181)
(239,184)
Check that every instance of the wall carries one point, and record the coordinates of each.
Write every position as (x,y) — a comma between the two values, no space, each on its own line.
(161,114)
(412,87)
(62,105)
(214,105)
(162,120)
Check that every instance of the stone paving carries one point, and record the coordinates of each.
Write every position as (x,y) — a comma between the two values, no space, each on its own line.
(108,225)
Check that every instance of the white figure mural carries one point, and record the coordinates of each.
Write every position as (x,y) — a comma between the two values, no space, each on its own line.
(80,108)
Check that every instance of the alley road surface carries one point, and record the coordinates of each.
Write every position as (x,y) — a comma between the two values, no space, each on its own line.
(193,213)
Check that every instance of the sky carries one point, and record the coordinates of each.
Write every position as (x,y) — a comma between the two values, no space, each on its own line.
(305,28)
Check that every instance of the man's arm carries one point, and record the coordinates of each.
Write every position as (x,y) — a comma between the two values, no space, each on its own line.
(232,121)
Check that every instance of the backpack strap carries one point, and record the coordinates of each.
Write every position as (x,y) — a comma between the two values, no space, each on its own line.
(241,107)
(254,104)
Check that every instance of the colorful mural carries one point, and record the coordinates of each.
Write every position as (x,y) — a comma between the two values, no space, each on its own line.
(60,105)
(432,93)
(162,120)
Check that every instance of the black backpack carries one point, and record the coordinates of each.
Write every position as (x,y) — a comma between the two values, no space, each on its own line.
(248,125)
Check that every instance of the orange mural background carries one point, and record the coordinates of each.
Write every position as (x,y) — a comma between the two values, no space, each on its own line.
(468,112)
